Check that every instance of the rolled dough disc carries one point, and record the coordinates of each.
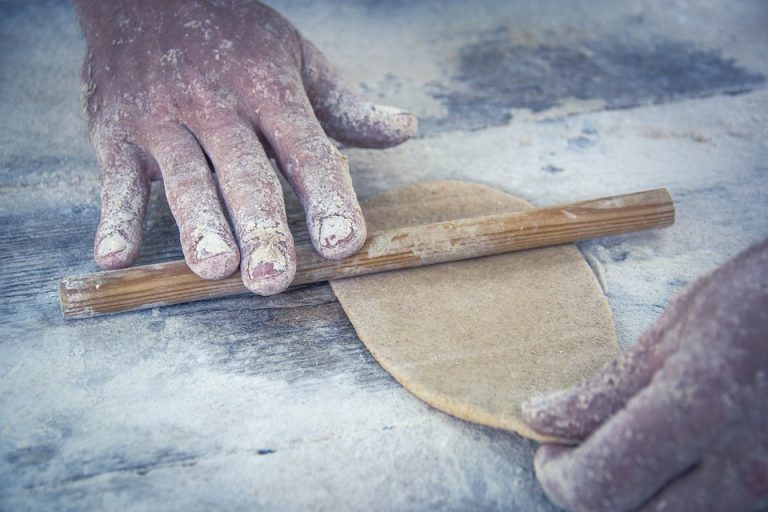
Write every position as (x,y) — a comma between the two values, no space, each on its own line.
(476,338)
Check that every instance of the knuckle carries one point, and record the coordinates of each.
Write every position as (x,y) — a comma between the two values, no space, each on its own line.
(246,173)
(314,152)
(186,172)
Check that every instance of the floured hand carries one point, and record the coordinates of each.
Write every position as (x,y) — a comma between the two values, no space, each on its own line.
(679,422)
(169,83)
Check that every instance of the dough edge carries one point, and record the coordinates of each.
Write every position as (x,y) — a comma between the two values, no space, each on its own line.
(465,411)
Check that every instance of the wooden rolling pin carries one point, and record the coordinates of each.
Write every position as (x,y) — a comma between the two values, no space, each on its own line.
(392,249)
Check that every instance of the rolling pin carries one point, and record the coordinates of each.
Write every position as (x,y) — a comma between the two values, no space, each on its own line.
(393,249)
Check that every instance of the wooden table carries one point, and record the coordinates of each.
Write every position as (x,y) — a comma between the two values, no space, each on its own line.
(250,402)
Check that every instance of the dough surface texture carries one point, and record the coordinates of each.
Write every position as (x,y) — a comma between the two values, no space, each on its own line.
(477,338)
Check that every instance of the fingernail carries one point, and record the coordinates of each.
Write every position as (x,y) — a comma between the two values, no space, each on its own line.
(388,109)
(214,258)
(334,230)
(270,270)
(210,245)
(113,243)
(409,122)
(266,261)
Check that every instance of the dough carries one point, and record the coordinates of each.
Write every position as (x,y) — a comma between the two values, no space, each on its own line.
(476,338)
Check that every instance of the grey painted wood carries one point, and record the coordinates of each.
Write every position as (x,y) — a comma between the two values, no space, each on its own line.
(273,402)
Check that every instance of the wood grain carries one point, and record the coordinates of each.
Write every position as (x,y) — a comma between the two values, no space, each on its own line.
(406,247)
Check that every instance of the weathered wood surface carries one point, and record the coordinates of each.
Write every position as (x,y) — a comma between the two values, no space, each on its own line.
(249,402)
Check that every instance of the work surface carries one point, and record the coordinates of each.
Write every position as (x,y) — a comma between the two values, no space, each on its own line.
(273,402)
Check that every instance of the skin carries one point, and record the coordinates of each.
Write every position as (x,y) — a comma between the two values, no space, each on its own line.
(170,83)
(678,422)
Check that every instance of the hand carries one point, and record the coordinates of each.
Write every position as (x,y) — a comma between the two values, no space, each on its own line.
(170,83)
(679,422)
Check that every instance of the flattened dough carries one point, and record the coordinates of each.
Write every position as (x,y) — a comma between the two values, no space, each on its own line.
(477,338)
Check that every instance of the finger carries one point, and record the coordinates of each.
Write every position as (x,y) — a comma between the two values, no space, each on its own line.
(737,483)
(124,195)
(254,198)
(345,115)
(577,412)
(206,239)
(661,432)
(318,172)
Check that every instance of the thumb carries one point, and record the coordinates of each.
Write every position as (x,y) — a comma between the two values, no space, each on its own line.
(344,114)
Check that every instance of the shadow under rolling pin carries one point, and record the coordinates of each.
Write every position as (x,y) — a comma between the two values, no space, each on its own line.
(393,249)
